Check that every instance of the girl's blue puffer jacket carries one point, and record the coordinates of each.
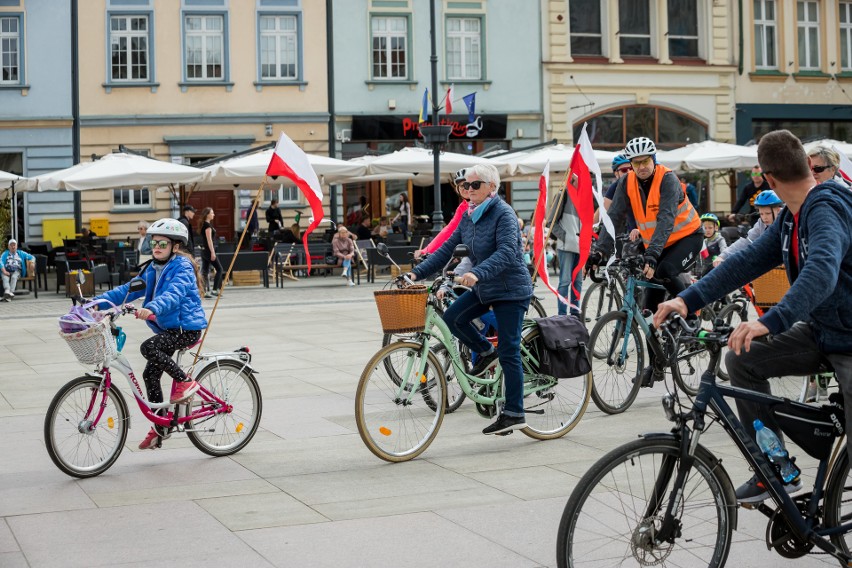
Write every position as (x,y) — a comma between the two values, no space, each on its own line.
(495,249)
(174,298)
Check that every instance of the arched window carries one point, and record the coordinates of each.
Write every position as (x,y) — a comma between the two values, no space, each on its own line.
(613,128)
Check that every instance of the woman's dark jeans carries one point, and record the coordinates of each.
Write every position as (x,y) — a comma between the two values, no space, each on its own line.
(510,317)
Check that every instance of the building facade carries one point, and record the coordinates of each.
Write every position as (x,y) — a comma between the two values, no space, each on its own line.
(35,103)
(665,69)
(191,80)
(796,69)
(488,48)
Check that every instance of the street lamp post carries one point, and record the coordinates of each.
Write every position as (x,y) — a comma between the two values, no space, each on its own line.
(436,136)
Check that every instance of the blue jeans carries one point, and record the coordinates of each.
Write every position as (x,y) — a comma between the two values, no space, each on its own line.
(510,316)
(567,263)
(346,264)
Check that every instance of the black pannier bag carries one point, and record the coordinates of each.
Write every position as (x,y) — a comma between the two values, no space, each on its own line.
(565,352)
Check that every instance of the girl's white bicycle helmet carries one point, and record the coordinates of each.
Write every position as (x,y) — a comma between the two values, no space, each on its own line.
(640,147)
(170,228)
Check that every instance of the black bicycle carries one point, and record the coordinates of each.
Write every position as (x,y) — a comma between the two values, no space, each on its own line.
(666,500)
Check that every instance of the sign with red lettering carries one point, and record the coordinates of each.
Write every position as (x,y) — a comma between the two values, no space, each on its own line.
(389,127)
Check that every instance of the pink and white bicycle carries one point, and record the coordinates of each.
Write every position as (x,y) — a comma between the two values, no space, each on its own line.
(86,424)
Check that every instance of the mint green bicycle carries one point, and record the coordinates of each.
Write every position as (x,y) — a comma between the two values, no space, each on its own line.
(401,397)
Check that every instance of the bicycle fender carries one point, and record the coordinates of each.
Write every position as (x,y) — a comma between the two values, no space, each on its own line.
(708,457)
(213,359)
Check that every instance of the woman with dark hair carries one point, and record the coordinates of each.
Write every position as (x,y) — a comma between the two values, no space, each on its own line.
(402,218)
(208,253)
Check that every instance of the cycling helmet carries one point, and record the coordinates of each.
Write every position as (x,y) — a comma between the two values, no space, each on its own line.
(640,147)
(618,161)
(170,228)
(459,176)
(710,217)
(768,198)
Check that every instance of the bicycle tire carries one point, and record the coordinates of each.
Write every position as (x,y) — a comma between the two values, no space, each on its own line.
(616,506)
(535,309)
(455,394)
(692,360)
(558,406)
(233,382)
(733,315)
(601,300)
(63,422)
(615,386)
(392,429)
(838,500)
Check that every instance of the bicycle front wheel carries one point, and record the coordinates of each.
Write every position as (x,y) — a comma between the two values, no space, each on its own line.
(598,300)
(617,508)
(618,357)
(455,394)
(399,412)
(77,445)
(692,360)
(556,405)
(228,432)
(733,315)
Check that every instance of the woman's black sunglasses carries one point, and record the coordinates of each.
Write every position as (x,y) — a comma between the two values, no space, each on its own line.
(473,184)
(819,169)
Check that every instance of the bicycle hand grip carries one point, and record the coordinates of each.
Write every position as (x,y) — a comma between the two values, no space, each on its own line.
(593,275)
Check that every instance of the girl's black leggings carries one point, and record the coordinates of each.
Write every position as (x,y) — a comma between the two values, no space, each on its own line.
(158,351)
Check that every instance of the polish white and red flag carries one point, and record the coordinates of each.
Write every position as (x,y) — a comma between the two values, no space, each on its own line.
(845,168)
(290,161)
(539,238)
(448,105)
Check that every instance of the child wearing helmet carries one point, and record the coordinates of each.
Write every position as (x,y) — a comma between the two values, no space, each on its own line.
(172,294)
(714,244)
(768,205)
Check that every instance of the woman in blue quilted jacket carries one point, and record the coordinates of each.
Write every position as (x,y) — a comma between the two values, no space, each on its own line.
(172,294)
(499,280)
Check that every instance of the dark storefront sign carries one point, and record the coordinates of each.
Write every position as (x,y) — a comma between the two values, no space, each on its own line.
(390,127)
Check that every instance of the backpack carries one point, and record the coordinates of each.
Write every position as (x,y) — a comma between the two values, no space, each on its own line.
(565,340)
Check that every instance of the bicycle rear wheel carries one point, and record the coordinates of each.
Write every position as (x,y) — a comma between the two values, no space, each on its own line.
(229,432)
(78,447)
(557,405)
(535,309)
(733,315)
(838,501)
(616,509)
(399,412)
(616,369)
(455,394)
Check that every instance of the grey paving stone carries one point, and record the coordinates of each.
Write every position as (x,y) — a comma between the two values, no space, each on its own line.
(242,512)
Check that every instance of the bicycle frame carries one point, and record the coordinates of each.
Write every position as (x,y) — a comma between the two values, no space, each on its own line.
(466,381)
(713,395)
(630,307)
(210,403)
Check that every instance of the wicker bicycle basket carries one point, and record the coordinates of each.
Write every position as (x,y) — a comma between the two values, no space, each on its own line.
(771,287)
(404,310)
(93,346)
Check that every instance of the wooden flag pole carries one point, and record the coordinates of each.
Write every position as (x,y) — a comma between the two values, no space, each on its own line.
(562,193)
(228,273)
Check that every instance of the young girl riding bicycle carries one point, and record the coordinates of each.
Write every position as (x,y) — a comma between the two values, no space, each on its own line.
(173,294)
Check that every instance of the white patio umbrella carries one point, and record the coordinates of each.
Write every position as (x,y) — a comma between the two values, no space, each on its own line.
(6,179)
(251,169)
(709,155)
(559,157)
(116,171)
(843,147)
(419,162)
(12,182)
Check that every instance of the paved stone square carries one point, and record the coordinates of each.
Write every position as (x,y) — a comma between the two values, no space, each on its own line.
(305,491)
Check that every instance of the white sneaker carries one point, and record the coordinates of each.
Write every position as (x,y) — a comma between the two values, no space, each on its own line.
(351,283)
(12,294)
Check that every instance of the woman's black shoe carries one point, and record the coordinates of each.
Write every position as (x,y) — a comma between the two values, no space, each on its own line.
(483,362)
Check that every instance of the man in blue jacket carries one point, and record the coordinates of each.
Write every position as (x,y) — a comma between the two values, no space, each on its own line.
(812,324)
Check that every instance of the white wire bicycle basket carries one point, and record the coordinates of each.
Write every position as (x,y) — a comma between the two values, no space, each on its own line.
(93,346)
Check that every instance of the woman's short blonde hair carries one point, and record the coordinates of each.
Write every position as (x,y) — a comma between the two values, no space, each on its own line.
(142,225)
(829,156)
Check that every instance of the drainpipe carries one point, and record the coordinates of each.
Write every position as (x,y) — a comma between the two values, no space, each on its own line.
(740,12)
(75,107)
(332,150)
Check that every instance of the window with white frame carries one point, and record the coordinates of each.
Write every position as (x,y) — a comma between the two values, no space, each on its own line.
(128,40)
(585,27)
(205,47)
(634,21)
(279,42)
(683,28)
(845,17)
(464,48)
(807,15)
(10,50)
(286,195)
(390,47)
(131,198)
(765,39)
